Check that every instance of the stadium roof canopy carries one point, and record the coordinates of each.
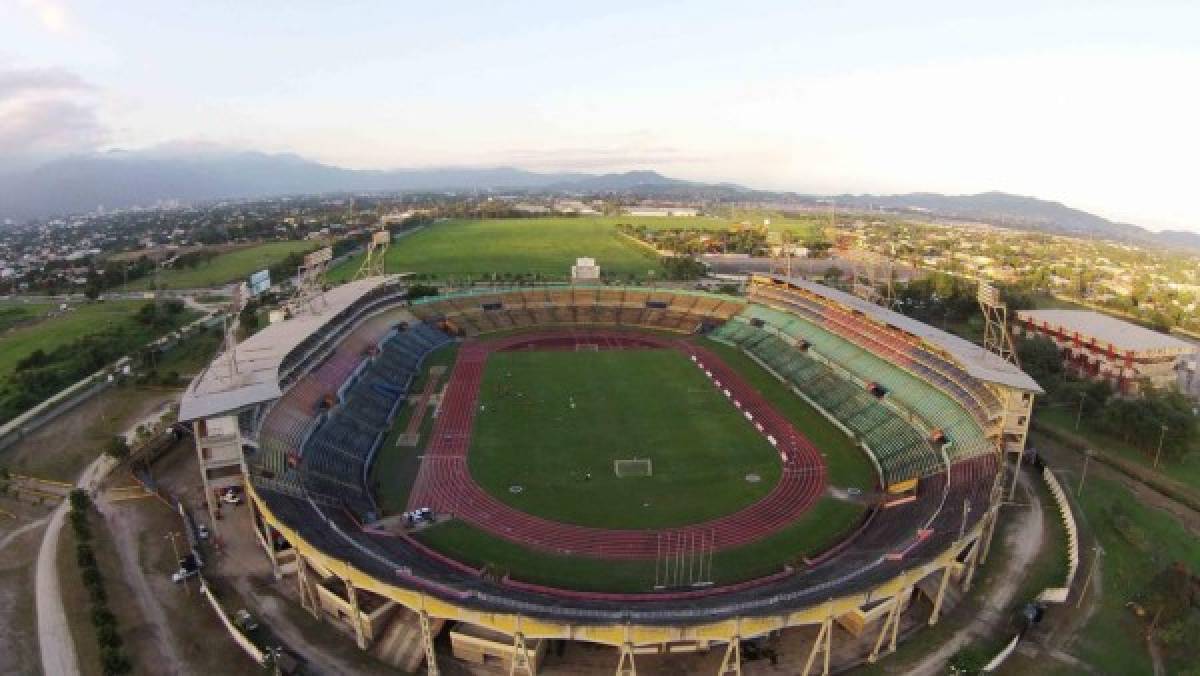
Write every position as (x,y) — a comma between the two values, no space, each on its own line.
(976,361)
(1123,336)
(221,389)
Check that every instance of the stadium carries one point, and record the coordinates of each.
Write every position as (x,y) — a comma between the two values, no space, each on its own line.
(635,473)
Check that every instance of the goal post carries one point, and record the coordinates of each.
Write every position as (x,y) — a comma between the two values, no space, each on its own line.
(631,467)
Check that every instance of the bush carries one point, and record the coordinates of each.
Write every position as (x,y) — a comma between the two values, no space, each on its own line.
(117,448)
(80,525)
(84,555)
(115,662)
(92,578)
(103,617)
(80,500)
(107,636)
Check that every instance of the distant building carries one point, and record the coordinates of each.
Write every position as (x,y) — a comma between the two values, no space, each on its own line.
(663,211)
(1097,346)
(585,270)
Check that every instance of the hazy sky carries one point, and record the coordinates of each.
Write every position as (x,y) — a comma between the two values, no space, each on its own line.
(1092,103)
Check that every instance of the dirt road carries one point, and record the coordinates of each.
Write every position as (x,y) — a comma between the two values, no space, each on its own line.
(1024,542)
(54,635)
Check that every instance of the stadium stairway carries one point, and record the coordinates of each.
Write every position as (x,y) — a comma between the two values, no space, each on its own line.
(400,643)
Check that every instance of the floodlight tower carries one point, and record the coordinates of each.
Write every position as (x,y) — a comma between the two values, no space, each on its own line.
(310,283)
(373,261)
(996,338)
(236,303)
(998,341)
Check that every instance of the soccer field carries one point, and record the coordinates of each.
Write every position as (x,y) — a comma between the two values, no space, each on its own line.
(552,423)
(479,249)
(233,265)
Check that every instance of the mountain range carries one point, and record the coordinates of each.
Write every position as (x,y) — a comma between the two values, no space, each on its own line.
(123,179)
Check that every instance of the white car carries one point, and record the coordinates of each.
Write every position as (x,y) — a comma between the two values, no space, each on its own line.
(183,574)
(202,532)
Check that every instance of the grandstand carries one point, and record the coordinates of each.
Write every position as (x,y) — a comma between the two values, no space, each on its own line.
(304,412)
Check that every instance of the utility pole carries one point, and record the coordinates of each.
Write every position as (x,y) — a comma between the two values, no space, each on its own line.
(1158,453)
(175,550)
(1087,457)
(1098,551)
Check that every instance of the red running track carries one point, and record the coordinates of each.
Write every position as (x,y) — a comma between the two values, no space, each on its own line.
(444,481)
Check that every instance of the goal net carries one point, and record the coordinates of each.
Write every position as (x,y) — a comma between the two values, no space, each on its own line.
(633,467)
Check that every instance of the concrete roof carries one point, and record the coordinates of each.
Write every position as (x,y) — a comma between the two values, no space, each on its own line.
(221,389)
(976,361)
(1122,335)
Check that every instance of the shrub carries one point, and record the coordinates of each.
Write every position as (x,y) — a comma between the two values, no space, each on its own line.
(79,500)
(102,617)
(115,662)
(84,555)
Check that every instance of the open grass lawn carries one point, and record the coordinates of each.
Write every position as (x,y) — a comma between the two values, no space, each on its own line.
(52,332)
(1139,542)
(456,249)
(1185,469)
(813,532)
(554,422)
(395,467)
(227,267)
(190,355)
(13,314)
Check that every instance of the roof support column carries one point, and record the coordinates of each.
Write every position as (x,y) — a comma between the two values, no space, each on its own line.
(626,665)
(521,662)
(823,644)
(732,663)
(308,598)
(431,666)
(941,595)
(891,623)
(359,633)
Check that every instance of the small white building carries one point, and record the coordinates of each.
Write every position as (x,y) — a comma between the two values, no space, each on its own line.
(585,270)
(663,212)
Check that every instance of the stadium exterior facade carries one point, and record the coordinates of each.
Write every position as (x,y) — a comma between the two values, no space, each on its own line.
(936,415)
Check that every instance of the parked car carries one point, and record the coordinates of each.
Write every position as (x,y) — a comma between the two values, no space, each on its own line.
(231,496)
(202,532)
(243,620)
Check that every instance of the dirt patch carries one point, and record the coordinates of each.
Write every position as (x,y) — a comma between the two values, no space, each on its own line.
(176,630)
(18,552)
(62,448)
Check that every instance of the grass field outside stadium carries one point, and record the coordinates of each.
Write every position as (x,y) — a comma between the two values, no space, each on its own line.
(460,248)
(37,331)
(229,266)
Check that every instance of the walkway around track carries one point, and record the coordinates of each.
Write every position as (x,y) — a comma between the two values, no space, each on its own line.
(444,482)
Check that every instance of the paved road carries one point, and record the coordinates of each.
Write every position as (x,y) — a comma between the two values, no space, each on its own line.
(54,634)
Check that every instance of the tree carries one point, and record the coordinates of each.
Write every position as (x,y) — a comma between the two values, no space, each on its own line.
(117,448)
(1040,358)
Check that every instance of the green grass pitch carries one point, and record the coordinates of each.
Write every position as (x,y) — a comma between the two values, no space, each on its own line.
(549,420)
(829,520)
(231,266)
(457,249)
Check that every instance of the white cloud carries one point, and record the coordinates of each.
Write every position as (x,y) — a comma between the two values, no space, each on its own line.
(45,112)
(52,15)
